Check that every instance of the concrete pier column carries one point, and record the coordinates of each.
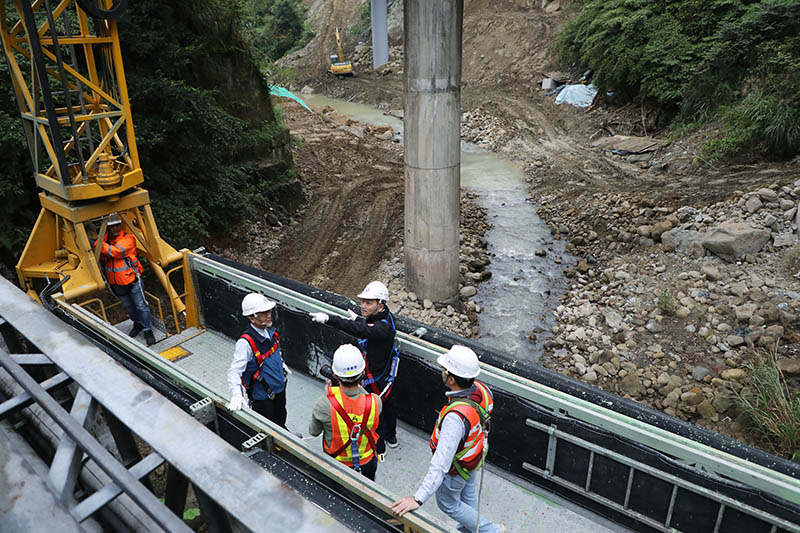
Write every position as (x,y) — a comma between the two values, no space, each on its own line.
(432,146)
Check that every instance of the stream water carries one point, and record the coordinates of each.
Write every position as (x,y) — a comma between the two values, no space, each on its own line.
(517,299)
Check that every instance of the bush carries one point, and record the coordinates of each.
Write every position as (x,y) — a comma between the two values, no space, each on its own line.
(736,61)
(275,27)
(771,409)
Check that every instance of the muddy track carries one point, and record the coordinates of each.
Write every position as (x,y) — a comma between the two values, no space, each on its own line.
(354,213)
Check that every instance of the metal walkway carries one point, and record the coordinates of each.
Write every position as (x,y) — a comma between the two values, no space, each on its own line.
(225,481)
(522,507)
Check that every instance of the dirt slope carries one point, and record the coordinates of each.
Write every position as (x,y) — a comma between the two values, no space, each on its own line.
(354,214)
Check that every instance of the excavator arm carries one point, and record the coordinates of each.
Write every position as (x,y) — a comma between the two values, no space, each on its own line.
(340,67)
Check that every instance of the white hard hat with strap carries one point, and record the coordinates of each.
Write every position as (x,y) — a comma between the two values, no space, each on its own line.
(375,290)
(256,303)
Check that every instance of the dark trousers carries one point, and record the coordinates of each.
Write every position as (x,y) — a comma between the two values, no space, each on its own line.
(387,425)
(274,409)
(368,470)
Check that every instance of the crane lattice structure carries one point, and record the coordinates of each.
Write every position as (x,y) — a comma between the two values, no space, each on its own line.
(66,68)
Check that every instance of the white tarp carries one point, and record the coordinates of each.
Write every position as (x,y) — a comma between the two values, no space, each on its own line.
(577,95)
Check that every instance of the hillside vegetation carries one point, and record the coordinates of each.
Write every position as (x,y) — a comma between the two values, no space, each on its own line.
(732,61)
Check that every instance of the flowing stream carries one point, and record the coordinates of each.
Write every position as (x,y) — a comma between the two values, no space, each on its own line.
(516,301)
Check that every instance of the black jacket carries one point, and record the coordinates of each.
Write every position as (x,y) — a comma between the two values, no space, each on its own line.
(377,332)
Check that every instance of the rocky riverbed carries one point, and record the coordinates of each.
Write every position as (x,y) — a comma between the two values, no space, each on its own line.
(667,305)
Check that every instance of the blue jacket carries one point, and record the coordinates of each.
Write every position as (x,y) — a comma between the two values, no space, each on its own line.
(271,369)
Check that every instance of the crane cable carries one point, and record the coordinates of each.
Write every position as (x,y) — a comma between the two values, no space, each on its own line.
(113,13)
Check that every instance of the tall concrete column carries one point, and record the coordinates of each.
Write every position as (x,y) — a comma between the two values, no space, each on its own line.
(432,146)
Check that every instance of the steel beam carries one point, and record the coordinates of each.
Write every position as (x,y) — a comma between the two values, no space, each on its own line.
(25,359)
(147,501)
(67,461)
(23,400)
(90,505)
(207,460)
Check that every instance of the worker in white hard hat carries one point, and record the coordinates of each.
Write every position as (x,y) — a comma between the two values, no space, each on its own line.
(375,330)
(122,271)
(257,372)
(348,415)
(459,444)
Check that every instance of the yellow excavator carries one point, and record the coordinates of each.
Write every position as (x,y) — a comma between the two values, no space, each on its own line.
(339,67)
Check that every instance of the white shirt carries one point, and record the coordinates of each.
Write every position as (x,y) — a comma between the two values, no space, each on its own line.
(450,435)
(242,352)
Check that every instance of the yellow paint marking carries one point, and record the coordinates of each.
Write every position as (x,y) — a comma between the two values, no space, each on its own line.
(174,353)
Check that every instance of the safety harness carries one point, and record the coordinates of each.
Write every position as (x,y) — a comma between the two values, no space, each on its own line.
(389,371)
(476,418)
(260,358)
(354,430)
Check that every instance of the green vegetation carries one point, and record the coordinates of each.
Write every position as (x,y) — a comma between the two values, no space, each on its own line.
(212,149)
(735,61)
(17,191)
(666,303)
(274,28)
(364,21)
(770,407)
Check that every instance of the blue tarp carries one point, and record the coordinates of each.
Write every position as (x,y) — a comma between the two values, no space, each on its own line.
(280,91)
(577,95)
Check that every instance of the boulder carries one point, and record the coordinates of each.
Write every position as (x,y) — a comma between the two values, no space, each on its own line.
(734,239)
(711,272)
(753,204)
(612,318)
(680,239)
(468,291)
(631,385)
(768,195)
(706,410)
(733,373)
(789,367)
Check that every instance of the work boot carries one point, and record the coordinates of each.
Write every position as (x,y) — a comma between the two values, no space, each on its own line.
(135,330)
(392,443)
(149,338)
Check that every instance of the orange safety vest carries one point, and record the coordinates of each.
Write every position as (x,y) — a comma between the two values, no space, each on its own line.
(119,259)
(474,410)
(355,423)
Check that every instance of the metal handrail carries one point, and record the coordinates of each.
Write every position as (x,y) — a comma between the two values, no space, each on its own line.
(175,311)
(85,303)
(672,444)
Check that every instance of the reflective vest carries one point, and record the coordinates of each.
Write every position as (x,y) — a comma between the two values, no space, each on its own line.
(119,259)
(354,422)
(263,350)
(474,410)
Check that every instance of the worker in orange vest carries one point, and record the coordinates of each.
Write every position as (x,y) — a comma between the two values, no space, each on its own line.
(459,445)
(348,414)
(123,273)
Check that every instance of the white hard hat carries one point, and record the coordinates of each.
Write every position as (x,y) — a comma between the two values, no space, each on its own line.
(348,362)
(460,361)
(256,303)
(375,290)
(113,219)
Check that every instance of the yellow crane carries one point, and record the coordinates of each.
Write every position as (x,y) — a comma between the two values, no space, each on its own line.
(340,67)
(66,69)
